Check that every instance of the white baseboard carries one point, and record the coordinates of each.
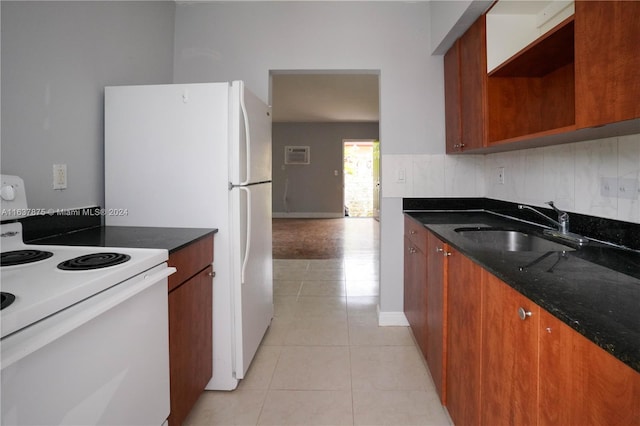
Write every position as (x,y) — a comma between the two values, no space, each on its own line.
(307,215)
(392,319)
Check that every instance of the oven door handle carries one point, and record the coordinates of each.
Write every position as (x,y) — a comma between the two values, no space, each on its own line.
(29,340)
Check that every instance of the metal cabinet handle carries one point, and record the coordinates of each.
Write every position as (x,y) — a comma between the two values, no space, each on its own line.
(212,274)
(441,250)
(458,146)
(522,314)
(413,232)
(412,250)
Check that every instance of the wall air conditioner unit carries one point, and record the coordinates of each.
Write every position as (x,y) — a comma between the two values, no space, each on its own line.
(297,155)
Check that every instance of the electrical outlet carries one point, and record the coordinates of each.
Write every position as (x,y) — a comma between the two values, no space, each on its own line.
(59,176)
(628,188)
(608,187)
(500,175)
(401,175)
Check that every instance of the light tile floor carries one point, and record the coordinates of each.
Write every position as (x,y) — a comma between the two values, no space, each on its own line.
(325,360)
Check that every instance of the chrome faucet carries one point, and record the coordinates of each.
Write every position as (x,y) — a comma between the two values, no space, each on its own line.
(562,224)
(563,217)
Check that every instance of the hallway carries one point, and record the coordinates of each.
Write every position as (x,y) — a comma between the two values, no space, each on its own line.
(324,360)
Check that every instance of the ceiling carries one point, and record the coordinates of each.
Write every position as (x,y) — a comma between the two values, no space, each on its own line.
(314,97)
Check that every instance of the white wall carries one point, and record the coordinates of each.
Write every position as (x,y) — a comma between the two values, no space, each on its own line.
(315,189)
(450,19)
(56,59)
(569,175)
(245,40)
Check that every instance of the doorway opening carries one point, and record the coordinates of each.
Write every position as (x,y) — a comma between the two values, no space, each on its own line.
(361,171)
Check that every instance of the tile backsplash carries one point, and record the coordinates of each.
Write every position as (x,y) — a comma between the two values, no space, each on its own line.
(572,175)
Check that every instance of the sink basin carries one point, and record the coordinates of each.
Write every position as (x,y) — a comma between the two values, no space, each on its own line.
(510,240)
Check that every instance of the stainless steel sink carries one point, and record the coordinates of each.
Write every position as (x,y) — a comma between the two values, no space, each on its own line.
(510,240)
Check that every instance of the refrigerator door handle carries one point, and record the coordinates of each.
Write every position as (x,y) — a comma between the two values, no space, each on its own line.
(248,237)
(247,138)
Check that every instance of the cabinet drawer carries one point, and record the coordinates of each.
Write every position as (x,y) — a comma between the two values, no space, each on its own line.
(416,233)
(190,260)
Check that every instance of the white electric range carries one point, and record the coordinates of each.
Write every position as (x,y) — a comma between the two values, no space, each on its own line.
(48,279)
(84,333)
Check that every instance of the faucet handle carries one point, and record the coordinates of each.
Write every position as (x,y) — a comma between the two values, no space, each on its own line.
(563,217)
(553,206)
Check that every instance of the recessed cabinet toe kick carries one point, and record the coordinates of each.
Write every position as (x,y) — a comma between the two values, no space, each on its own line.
(496,357)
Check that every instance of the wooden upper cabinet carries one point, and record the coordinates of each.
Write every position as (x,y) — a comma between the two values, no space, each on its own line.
(532,93)
(607,39)
(473,84)
(452,98)
(576,77)
(465,67)
(589,387)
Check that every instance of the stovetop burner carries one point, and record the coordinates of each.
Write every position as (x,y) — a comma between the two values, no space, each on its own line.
(6,299)
(20,257)
(93,261)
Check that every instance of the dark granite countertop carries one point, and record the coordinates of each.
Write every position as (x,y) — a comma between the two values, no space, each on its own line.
(171,239)
(594,289)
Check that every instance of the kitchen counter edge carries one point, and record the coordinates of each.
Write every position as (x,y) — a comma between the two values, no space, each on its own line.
(612,341)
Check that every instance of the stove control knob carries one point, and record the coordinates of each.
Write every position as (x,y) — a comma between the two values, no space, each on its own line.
(8,193)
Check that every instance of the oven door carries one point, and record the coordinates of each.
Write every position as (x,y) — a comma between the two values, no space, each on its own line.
(102,361)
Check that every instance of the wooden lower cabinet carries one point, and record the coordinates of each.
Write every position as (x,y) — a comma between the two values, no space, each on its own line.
(436,318)
(425,297)
(190,350)
(415,298)
(509,379)
(496,357)
(464,290)
(190,326)
(589,387)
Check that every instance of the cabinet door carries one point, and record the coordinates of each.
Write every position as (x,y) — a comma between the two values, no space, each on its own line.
(436,320)
(464,309)
(415,297)
(190,343)
(473,84)
(509,355)
(452,98)
(590,387)
(607,35)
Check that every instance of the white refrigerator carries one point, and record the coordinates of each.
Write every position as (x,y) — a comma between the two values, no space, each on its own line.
(199,156)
